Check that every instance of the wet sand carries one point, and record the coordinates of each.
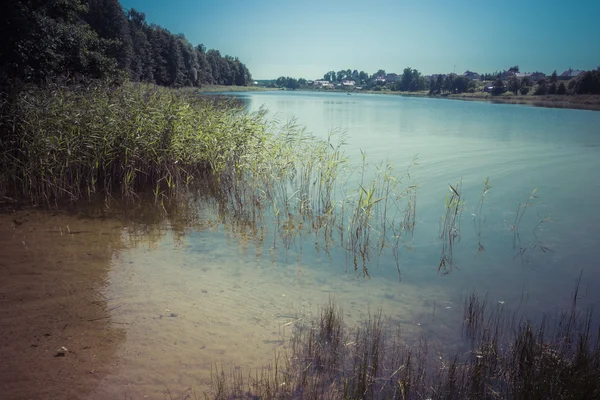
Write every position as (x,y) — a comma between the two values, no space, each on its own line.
(50,299)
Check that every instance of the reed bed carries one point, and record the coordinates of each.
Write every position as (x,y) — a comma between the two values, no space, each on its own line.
(508,356)
(72,143)
(267,179)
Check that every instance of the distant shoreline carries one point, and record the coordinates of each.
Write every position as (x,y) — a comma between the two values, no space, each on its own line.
(578,101)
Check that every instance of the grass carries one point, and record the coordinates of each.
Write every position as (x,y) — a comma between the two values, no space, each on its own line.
(450,226)
(479,219)
(509,356)
(78,142)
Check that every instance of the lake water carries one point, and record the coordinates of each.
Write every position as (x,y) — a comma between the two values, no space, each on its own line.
(234,296)
(186,297)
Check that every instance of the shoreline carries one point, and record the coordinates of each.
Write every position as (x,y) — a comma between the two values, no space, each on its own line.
(588,102)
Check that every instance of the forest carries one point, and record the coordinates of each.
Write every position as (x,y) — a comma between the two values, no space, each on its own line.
(71,40)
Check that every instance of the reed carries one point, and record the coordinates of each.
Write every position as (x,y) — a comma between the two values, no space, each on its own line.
(479,219)
(70,143)
(509,356)
(450,227)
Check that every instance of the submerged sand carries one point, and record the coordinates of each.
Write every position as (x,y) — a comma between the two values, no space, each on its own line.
(146,313)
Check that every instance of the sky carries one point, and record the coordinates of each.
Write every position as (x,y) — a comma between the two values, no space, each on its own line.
(309,38)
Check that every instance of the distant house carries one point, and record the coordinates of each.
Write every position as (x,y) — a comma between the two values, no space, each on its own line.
(507,74)
(570,73)
(488,87)
(472,75)
(537,76)
(523,75)
(348,83)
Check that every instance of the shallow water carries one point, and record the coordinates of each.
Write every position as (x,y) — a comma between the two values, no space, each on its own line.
(182,297)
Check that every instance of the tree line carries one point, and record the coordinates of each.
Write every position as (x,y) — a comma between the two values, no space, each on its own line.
(44,40)
(411,80)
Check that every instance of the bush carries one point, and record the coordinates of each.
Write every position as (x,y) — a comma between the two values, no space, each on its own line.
(524,90)
(561,89)
(552,88)
(541,90)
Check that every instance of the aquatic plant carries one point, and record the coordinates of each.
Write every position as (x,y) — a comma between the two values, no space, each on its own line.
(479,219)
(509,356)
(450,226)
(69,143)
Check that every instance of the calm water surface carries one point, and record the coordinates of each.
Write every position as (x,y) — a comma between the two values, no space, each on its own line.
(217,294)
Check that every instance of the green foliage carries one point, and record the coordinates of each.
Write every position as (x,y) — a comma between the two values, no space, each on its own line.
(71,39)
(552,88)
(74,142)
(42,40)
(561,89)
(524,90)
(554,77)
(514,68)
(288,82)
(541,89)
(499,87)
(411,80)
(587,83)
(513,84)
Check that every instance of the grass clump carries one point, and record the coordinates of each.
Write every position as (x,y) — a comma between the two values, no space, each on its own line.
(508,357)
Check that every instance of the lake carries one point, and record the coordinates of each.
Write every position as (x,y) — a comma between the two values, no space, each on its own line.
(178,298)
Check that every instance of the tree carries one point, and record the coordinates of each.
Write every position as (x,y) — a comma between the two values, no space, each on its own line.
(541,89)
(406,80)
(291,83)
(554,77)
(561,89)
(587,83)
(44,40)
(107,19)
(461,84)
(514,68)
(513,84)
(552,88)
(499,87)
(439,83)
(363,77)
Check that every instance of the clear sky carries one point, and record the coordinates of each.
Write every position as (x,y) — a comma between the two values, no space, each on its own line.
(308,38)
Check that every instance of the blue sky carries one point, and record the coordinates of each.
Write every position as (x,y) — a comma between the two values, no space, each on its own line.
(308,38)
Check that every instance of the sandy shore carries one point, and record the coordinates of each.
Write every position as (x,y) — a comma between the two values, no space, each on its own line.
(53,268)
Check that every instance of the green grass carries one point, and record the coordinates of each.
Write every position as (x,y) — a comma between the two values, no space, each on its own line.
(72,143)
